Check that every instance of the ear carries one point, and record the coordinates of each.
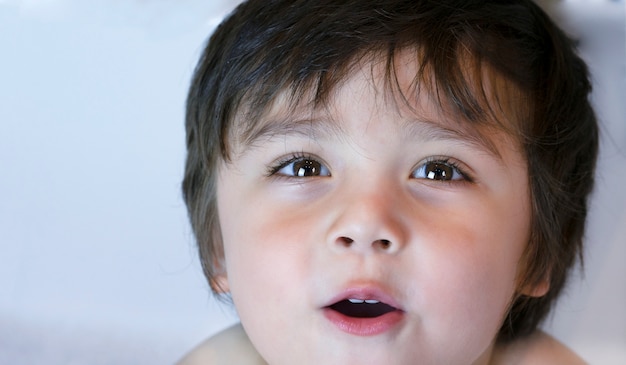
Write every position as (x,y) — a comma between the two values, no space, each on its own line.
(219,284)
(219,278)
(538,289)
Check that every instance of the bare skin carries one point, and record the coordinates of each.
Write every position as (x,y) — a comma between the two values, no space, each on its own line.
(312,240)
(539,348)
(232,346)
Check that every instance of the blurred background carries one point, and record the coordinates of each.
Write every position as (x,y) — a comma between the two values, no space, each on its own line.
(97,261)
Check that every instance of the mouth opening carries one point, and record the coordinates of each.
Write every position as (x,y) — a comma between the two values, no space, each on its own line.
(359,308)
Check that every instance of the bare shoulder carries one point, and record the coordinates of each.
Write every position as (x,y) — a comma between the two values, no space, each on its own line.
(230,346)
(536,349)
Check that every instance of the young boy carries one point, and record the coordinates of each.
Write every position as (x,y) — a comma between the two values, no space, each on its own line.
(388,182)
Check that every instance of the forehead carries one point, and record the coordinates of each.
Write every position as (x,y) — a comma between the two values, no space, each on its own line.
(401,84)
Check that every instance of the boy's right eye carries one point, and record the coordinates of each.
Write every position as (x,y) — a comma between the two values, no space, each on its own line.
(300,166)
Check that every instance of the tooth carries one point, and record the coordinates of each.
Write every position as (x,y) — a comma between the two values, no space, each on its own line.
(355,301)
(371,301)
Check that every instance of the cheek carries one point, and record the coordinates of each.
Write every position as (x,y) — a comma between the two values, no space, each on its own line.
(471,266)
(264,252)
(268,268)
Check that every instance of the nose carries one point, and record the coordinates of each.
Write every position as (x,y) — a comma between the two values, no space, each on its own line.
(369,221)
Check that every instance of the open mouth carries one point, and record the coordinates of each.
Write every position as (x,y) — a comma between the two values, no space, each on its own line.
(362,308)
(364,311)
(363,317)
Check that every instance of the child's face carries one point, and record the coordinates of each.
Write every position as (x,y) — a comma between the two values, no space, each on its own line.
(396,207)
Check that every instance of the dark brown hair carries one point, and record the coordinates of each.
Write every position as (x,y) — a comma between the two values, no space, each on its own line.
(308,47)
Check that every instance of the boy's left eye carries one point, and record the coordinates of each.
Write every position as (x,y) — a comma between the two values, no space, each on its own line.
(301,167)
(439,170)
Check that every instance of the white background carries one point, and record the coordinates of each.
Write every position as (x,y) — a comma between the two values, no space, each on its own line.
(97,262)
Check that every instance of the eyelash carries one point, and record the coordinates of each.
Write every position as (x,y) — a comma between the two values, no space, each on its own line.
(287,160)
(447,161)
(275,168)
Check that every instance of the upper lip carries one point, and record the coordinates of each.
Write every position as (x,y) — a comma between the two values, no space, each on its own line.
(365,292)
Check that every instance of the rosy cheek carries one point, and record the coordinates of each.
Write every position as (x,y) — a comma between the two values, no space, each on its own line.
(468,255)
(267,243)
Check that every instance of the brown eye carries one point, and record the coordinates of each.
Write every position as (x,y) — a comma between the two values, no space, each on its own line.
(303,167)
(438,171)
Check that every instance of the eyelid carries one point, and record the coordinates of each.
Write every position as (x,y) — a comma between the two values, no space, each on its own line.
(457,165)
(283,162)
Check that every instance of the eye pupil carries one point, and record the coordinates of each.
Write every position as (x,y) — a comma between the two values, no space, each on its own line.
(438,171)
(306,168)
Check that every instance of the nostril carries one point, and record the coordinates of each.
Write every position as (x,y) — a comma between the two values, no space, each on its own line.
(381,244)
(346,241)
(384,244)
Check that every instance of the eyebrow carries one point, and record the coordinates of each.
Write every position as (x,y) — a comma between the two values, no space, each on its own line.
(429,130)
(298,127)
(416,129)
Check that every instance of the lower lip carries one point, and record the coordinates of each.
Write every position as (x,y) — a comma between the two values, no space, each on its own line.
(364,326)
